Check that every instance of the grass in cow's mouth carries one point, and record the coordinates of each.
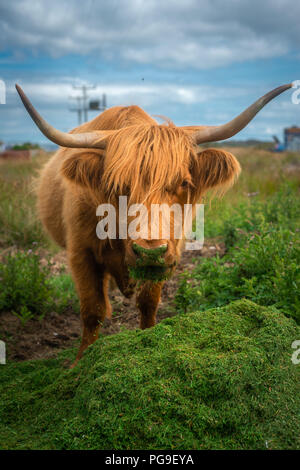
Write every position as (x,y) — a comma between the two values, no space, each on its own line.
(150,273)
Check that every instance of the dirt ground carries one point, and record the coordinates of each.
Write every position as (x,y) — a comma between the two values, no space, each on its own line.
(44,338)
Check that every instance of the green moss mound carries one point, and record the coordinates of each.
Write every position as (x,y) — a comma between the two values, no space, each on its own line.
(219,379)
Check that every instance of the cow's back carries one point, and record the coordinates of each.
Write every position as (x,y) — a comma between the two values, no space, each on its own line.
(115,118)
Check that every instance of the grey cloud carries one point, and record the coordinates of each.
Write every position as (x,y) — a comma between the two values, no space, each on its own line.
(201,34)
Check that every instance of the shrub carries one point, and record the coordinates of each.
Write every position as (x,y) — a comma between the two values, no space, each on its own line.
(28,289)
(24,285)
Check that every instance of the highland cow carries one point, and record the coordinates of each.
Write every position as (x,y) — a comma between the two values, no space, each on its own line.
(124,152)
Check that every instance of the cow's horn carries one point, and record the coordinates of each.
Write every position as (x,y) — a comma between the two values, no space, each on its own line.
(225,131)
(95,139)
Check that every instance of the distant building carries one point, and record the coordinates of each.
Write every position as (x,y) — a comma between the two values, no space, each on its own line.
(292,138)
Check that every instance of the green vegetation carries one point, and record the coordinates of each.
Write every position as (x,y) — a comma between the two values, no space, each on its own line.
(150,264)
(151,256)
(262,174)
(26,146)
(64,293)
(24,285)
(150,273)
(216,376)
(219,379)
(262,262)
(28,290)
(19,224)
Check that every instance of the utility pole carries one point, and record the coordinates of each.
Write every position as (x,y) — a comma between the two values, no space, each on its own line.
(84,98)
(78,109)
(84,105)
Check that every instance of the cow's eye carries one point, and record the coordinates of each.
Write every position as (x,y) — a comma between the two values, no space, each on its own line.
(184,184)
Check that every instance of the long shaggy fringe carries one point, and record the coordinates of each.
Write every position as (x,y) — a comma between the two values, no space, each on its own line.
(144,160)
(148,159)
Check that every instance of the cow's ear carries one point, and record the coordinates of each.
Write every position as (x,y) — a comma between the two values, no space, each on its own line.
(215,168)
(84,169)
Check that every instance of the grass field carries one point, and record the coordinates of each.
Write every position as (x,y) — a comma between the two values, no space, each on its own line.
(217,375)
(18,222)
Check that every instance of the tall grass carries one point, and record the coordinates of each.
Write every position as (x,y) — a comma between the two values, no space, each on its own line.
(262,174)
(19,224)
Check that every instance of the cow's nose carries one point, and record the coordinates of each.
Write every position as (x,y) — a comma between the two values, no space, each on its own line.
(150,256)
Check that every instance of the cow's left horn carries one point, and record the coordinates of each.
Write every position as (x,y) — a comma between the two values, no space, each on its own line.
(95,139)
(225,131)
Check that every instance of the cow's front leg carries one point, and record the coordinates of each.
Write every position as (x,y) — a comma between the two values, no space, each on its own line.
(147,302)
(92,287)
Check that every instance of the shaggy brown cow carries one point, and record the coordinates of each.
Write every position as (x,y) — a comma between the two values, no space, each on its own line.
(124,151)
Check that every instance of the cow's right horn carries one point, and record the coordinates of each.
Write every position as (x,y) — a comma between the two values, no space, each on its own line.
(95,139)
(225,131)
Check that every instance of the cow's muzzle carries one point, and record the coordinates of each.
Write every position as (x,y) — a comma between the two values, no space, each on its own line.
(150,256)
(151,262)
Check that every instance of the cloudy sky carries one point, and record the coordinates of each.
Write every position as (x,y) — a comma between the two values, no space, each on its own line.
(195,61)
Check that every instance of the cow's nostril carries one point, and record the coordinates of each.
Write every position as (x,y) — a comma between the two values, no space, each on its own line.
(142,251)
(150,256)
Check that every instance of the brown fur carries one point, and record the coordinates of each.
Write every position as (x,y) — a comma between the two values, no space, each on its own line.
(149,163)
